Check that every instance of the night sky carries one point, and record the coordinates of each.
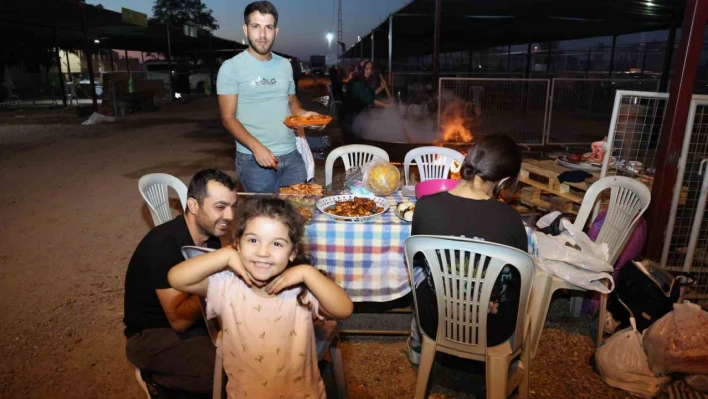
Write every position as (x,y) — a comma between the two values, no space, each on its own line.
(302,24)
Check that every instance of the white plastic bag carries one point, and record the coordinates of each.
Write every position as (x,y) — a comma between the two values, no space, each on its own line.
(699,382)
(622,364)
(304,149)
(590,256)
(591,281)
(678,342)
(97,118)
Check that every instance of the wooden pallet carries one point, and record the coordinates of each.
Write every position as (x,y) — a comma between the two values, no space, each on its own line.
(543,174)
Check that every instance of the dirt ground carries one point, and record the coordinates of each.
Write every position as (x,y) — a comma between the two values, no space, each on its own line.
(72,218)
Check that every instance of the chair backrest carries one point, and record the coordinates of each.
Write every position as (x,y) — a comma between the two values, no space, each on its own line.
(352,155)
(463,273)
(153,188)
(629,198)
(190,251)
(433,162)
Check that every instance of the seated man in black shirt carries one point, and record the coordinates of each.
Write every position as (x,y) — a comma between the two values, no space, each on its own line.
(165,331)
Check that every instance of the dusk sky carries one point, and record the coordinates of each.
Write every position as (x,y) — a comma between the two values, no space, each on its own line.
(302,24)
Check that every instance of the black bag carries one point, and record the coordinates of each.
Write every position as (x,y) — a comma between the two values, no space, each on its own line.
(645,291)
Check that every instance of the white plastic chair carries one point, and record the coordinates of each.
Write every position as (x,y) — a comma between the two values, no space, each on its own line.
(332,104)
(326,338)
(629,198)
(463,292)
(352,155)
(433,162)
(153,188)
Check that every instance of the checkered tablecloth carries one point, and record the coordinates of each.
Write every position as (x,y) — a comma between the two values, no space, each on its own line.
(366,259)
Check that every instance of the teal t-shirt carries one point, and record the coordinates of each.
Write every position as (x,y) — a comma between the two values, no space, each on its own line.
(263,88)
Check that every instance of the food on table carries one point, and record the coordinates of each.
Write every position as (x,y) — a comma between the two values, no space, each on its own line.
(382,179)
(357,207)
(406,209)
(304,121)
(305,213)
(574,157)
(303,189)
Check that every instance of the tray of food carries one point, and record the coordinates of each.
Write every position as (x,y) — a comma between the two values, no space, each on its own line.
(302,189)
(583,162)
(349,208)
(303,197)
(294,121)
(404,211)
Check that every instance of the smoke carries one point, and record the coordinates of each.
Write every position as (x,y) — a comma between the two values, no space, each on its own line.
(413,123)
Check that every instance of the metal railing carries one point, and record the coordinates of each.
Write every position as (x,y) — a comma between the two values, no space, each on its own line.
(515,107)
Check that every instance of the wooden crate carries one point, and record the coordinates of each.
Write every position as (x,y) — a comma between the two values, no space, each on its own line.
(543,174)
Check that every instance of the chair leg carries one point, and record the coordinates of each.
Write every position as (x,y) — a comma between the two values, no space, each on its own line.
(497,375)
(525,386)
(539,302)
(427,357)
(576,304)
(218,375)
(141,382)
(601,319)
(338,368)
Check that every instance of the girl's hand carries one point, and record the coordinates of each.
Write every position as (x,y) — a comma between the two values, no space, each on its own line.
(291,277)
(237,267)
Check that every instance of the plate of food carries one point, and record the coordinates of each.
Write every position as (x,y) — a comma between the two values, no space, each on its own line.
(318,120)
(302,189)
(587,161)
(349,208)
(404,211)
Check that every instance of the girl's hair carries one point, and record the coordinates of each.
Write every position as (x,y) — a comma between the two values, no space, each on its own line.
(284,212)
(493,158)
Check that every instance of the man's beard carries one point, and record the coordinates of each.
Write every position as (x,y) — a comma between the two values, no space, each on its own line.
(257,50)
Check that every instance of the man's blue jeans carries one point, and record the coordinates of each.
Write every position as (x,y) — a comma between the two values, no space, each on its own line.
(256,179)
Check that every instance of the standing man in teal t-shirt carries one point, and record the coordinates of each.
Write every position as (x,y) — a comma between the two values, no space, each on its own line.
(256,93)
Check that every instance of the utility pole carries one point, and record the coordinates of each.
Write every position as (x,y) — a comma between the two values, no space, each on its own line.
(339,29)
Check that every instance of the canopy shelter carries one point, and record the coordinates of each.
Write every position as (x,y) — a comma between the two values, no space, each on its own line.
(479,24)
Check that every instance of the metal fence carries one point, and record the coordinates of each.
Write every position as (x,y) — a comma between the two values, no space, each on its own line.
(633,138)
(515,107)
(581,109)
(686,244)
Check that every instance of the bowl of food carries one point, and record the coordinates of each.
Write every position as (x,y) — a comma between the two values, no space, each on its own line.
(382,179)
(433,186)
(349,208)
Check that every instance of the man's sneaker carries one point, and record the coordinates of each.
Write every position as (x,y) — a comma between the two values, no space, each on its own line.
(413,352)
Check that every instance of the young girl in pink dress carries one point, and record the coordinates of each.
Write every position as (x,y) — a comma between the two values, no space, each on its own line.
(266,295)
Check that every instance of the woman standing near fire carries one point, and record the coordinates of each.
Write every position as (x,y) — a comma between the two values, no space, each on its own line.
(472,210)
(359,95)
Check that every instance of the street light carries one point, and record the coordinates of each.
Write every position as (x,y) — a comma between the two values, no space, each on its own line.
(329,37)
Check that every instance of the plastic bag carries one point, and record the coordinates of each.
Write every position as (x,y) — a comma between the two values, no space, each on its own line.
(591,281)
(622,364)
(304,149)
(589,256)
(678,342)
(97,118)
(699,382)
(380,177)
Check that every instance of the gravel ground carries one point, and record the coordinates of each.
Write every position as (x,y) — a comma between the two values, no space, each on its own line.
(73,217)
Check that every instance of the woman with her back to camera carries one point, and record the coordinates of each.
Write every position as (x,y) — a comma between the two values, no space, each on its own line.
(472,210)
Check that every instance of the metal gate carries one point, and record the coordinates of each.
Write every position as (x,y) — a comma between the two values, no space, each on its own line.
(686,244)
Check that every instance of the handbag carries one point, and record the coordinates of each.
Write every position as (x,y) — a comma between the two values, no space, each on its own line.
(646,292)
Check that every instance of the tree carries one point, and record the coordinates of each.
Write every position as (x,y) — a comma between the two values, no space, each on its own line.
(184,12)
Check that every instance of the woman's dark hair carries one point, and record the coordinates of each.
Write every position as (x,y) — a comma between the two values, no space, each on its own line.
(198,186)
(493,158)
(284,212)
(263,7)
(360,69)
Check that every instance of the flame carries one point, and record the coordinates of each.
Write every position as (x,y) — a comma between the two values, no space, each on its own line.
(454,124)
